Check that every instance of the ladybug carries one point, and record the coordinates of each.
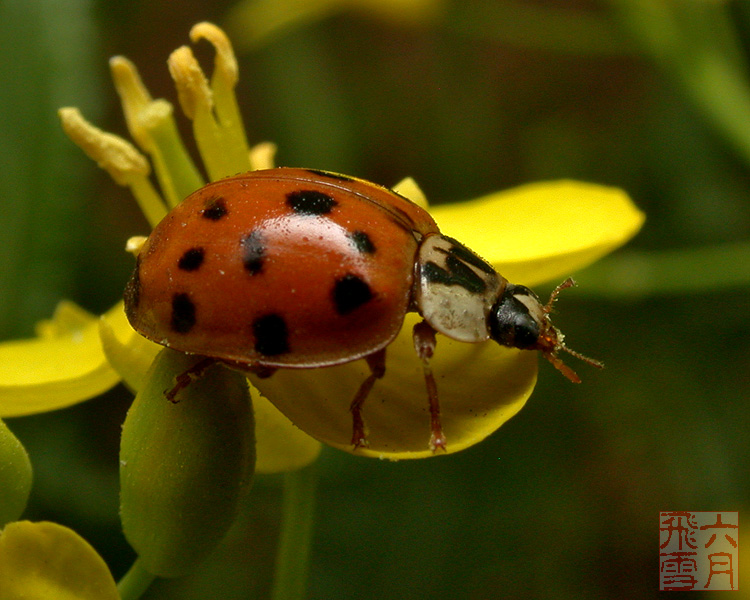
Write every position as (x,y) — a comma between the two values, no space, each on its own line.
(299,268)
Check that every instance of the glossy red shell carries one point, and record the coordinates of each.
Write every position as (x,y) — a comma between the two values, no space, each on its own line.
(281,268)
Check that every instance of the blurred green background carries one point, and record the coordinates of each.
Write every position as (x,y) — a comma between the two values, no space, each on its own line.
(466,96)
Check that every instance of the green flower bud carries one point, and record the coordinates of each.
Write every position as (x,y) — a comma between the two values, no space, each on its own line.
(185,467)
(15,476)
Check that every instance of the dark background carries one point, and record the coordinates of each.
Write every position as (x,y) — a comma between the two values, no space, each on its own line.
(563,501)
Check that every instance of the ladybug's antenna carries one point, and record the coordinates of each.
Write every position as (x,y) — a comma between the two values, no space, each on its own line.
(551,354)
(592,361)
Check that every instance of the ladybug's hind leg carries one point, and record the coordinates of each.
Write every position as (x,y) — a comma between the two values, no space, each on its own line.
(376,362)
(424,344)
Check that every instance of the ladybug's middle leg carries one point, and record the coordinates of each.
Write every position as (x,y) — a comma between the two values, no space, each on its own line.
(424,344)
(376,362)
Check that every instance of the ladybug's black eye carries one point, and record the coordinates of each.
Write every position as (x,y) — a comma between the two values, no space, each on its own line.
(510,321)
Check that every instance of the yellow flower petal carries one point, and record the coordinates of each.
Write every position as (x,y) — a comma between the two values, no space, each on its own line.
(543,231)
(41,561)
(280,445)
(15,476)
(129,353)
(480,386)
(55,371)
(68,317)
(409,188)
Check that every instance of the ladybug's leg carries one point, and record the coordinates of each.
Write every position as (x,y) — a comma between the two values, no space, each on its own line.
(376,362)
(187,377)
(424,344)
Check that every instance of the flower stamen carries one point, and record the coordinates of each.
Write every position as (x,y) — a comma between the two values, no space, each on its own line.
(120,158)
(152,125)
(217,124)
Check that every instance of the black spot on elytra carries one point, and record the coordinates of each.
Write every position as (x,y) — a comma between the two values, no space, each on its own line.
(310,202)
(362,242)
(349,293)
(133,289)
(214,208)
(253,252)
(329,175)
(183,313)
(271,335)
(192,259)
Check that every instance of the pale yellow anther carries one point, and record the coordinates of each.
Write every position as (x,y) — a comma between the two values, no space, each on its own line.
(217,122)
(128,82)
(134,244)
(408,188)
(133,95)
(119,157)
(262,156)
(225,63)
(193,90)
(143,114)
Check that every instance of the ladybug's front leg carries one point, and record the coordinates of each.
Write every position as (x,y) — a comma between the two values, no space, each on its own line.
(376,362)
(424,344)
(185,378)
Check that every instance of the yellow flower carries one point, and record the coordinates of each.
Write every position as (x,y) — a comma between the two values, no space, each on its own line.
(46,560)
(536,233)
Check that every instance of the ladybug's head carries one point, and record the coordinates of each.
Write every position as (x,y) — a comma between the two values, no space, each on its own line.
(519,320)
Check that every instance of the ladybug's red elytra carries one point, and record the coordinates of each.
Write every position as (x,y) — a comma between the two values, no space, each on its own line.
(298,268)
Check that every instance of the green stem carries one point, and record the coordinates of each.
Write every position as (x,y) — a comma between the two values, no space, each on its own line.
(696,45)
(293,555)
(135,582)
(669,272)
